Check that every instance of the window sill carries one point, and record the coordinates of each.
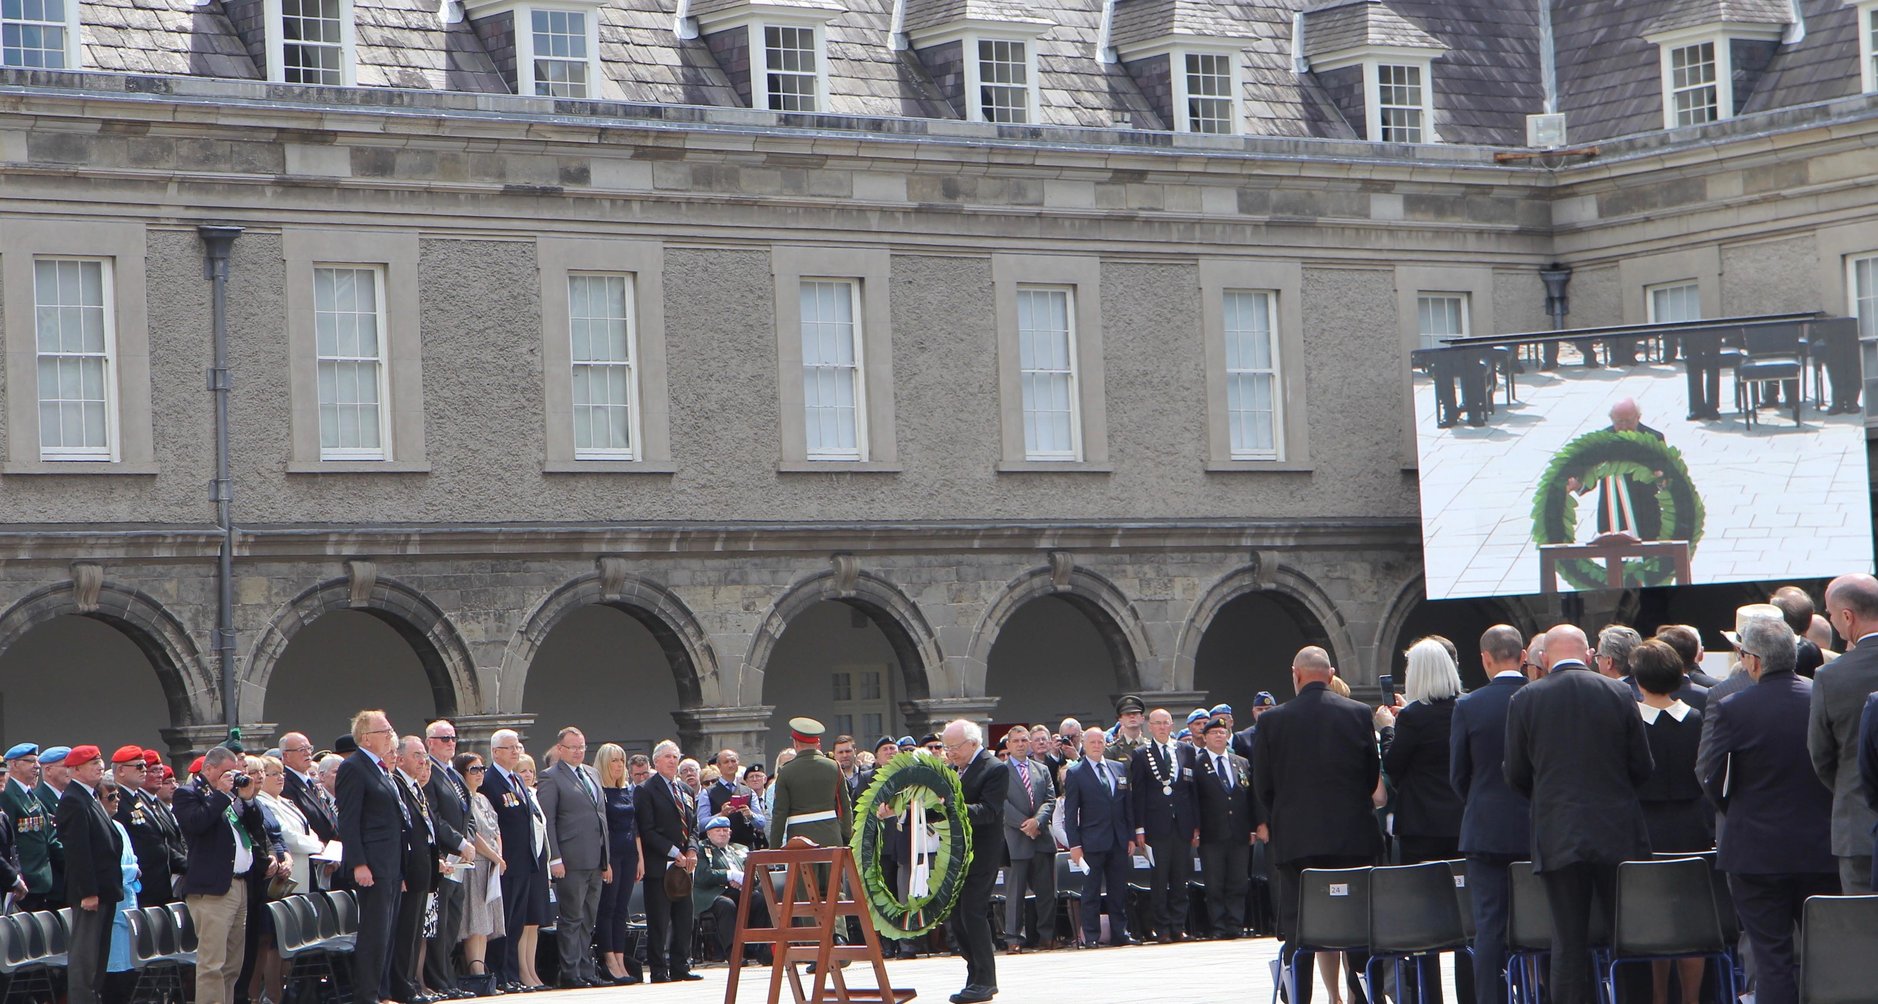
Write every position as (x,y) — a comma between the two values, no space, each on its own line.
(1259,467)
(87,467)
(609,467)
(1053,467)
(837,467)
(357,467)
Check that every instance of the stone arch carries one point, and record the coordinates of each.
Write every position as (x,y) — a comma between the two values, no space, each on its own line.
(915,646)
(1409,600)
(687,648)
(1107,607)
(1297,594)
(439,647)
(190,687)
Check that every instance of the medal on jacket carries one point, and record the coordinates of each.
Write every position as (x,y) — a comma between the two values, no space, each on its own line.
(1154,765)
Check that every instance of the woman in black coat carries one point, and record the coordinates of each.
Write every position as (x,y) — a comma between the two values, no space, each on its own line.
(1415,758)
(1674,810)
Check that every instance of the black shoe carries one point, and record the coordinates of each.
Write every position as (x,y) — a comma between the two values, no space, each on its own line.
(661,978)
(974,994)
(512,987)
(687,976)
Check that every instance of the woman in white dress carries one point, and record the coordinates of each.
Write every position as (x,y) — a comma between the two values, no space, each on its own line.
(482,909)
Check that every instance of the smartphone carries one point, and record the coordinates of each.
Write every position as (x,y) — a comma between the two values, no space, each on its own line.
(1386,684)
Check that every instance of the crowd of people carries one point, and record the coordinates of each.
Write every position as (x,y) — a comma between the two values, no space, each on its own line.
(1579,753)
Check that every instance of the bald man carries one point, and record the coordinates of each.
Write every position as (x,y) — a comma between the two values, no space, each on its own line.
(1624,503)
(1575,747)
(1314,768)
(1839,691)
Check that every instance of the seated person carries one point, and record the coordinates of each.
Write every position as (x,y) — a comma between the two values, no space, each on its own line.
(717,885)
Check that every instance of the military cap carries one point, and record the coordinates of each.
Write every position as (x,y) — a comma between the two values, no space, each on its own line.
(22,750)
(1196,715)
(1184,734)
(806,730)
(716,823)
(1264,699)
(1221,708)
(152,758)
(84,754)
(886,741)
(128,754)
(1130,703)
(1217,723)
(54,754)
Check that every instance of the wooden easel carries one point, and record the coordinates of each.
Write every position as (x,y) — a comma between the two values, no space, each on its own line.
(809,889)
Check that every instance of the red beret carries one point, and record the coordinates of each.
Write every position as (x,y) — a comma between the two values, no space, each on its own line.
(167,773)
(196,766)
(125,754)
(84,754)
(152,758)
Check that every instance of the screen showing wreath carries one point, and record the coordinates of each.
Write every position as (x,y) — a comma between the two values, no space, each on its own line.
(1650,460)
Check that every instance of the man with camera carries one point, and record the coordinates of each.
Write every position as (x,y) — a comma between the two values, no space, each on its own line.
(226,837)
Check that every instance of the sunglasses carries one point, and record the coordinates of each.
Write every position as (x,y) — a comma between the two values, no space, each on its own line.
(477,770)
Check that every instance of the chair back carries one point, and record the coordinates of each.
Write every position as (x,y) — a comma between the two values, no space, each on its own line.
(185,926)
(12,944)
(1463,896)
(1836,933)
(1724,900)
(1529,913)
(286,927)
(1780,340)
(326,914)
(33,932)
(1066,885)
(142,940)
(54,931)
(1413,908)
(162,930)
(1333,908)
(347,909)
(1666,908)
(307,917)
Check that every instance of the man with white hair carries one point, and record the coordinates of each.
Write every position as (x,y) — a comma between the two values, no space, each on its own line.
(668,814)
(523,851)
(985,782)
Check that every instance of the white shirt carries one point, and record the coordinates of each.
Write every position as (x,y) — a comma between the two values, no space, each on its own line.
(1677,710)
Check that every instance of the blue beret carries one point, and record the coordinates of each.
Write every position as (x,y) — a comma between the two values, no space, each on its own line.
(1263,699)
(716,823)
(906,741)
(1184,734)
(1221,709)
(54,754)
(23,749)
(1197,714)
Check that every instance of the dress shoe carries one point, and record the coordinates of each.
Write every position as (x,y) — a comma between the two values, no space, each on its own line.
(512,987)
(973,994)
(661,978)
(1164,938)
(1123,940)
(687,976)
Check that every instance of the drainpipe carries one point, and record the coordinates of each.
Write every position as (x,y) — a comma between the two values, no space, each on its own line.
(1557,277)
(217,242)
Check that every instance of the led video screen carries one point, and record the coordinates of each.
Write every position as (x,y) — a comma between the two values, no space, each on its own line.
(1695,456)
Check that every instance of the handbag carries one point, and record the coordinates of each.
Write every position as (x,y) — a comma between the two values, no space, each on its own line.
(677,883)
(481,984)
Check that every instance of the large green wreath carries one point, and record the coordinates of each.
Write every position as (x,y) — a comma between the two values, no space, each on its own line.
(1608,453)
(923,780)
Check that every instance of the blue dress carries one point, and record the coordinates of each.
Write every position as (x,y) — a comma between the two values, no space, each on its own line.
(121,948)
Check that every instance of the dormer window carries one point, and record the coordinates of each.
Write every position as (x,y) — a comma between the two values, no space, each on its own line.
(1004,81)
(39,34)
(1711,56)
(315,39)
(1401,104)
(1210,96)
(546,50)
(564,65)
(792,64)
(1868,45)
(1377,67)
(1694,97)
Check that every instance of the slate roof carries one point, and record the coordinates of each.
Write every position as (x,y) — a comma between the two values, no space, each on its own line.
(1485,56)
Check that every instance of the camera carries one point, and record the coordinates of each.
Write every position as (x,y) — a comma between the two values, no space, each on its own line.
(239,779)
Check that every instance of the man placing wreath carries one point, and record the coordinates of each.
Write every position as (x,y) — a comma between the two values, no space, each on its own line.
(1626,503)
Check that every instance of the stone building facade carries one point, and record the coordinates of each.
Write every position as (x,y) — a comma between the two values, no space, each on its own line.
(715,578)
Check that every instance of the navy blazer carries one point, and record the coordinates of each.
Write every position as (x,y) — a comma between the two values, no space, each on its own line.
(1175,815)
(1495,819)
(1753,763)
(202,814)
(372,828)
(93,850)
(1575,745)
(1315,768)
(319,818)
(1093,819)
(515,819)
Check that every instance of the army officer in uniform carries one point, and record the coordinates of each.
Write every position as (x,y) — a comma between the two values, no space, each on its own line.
(811,799)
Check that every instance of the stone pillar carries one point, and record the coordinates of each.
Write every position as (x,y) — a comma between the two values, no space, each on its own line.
(932,713)
(186,741)
(473,731)
(702,732)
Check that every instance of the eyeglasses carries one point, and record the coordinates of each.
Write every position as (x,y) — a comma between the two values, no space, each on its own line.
(379,732)
(934,747)
(446,739)
(1756,655)
(108,796)
(477,770)
(495,748)
(952,746)
(298,749)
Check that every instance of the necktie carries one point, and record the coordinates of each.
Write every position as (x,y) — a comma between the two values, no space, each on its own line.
(1030,796)
(1108,779)
(1225,775)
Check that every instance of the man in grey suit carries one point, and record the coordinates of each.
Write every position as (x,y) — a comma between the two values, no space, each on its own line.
(1028,806)
(577,854)
(1839,691)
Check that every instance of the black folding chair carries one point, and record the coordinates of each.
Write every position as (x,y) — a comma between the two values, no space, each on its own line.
(1333,916)
(1666,910)
(1414,917)
(1528,933)
(1835,935)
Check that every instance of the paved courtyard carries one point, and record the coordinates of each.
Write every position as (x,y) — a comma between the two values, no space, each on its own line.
(1781,502)
(1195,972)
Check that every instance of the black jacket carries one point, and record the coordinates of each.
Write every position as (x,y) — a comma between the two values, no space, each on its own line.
(420,845)
(663,824)
(1159,815)
(985,784)
(203,814)
(1495,818)
(515,810)
(1753,763)
(94,853)
(1575,747)
(449,804)
(1314,768)
(150,840)
(372,827)
(1415,757)
(1227,814)
(320,818)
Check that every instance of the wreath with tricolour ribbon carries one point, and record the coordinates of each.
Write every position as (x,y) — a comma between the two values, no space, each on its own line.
(1608,453)
(924,783)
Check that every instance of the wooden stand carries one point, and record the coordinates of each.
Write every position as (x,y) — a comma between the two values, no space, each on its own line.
(805,884)
(1612,549)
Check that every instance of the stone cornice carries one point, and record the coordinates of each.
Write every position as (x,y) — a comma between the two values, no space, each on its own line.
(650,542)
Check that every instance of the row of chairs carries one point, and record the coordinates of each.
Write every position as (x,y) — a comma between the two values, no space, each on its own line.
(32,953)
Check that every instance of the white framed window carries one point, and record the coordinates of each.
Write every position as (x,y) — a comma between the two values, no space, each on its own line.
(1868,46)
(1440,316)
(1401,103)
(1253,391)
(605,389)
(1861,287)
(348,325)
(38,34)
(77,357)
(563,53)
(1046,349)
(1693,96)
(1674,301)
(313,37)
(833,385)
(1003,85)
(1207,101)
(792,67)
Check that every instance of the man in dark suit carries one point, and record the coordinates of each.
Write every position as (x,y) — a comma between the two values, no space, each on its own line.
(1028,809)
(1777,848)
(1625,504)
(667,814)
(1229,823)
(577,854)
(94,877)
(304,790)
(1315,769)
(1687,642)
(523,856)
(374,831)
(1575,747)
(1495,819)
(1796,608)
(1868,763)
(1839,692)
(147,839)
(448,797)
(214,883)
(154,779)
(984,782)
(1161,776)
(1099,827)
(419,868)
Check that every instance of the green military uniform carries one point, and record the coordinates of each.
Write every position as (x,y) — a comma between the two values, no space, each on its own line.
(813,801)
(1120,748)
(32,834)
(713,875)
(49,801)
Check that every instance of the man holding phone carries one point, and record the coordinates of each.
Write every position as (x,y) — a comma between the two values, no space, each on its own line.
(749,825)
